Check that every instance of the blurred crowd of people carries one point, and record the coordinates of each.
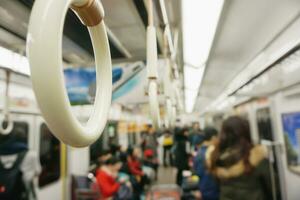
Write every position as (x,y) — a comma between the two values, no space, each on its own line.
(211,164)
(223,164)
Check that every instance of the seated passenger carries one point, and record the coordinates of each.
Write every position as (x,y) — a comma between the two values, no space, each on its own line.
(106,177)
(133,161)
(139,179)
(150,164)
(208,186)
(240,166)
(104,155)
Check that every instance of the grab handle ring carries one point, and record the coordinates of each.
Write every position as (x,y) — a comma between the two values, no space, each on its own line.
(153,103)
(44,45)
(6,113)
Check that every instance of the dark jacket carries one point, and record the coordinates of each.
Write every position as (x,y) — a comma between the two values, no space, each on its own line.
(208,184)
(180,152)
(236,184)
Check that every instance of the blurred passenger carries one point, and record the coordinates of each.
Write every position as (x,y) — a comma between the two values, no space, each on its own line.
(107,178)
(208,185)
(18,168)
(123,157)
(150,140)
(196,135)
(104,155)
(240,166)
(181,153)
(167,146)
(150,164)
(135,168)
(133,160)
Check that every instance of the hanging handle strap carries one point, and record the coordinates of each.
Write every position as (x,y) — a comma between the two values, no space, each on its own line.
(44,45)
(6,113)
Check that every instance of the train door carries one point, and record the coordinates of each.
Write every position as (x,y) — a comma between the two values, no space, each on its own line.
(266,135)
(286,107)
(51,178)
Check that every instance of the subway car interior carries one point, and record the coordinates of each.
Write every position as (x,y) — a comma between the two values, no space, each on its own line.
(149,99)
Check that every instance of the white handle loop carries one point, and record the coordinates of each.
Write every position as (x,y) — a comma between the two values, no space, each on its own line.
(7,118)
(153,103)
(151,53)
(45,55)
(174,115)
(168,113)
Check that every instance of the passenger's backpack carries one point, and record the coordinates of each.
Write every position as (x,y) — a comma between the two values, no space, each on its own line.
(11,184)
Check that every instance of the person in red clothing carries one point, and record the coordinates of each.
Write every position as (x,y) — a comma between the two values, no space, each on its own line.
(135,169)
(134,164)
(106,178)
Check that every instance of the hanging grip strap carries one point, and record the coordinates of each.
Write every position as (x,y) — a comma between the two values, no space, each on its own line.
(91,12)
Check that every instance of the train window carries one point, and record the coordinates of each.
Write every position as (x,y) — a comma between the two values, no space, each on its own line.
(49,157)
(264,124)
(19,132)
(291,127)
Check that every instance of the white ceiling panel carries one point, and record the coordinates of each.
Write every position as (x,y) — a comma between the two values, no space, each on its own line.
(246,28)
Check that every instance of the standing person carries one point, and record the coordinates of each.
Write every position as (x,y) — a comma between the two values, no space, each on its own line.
(18,168)
(167,146)
(181,153)
(208,184)
(241,167)
(196,135)
(150,140)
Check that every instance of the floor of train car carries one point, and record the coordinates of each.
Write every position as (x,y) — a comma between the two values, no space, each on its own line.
(166,175)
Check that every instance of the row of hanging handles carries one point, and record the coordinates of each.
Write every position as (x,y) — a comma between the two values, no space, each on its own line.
(45,60)
(6,129)
(171,76)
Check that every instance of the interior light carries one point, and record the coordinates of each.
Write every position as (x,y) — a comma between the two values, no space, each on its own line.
(190,99)
(193,77)
(14,61)
(200,19)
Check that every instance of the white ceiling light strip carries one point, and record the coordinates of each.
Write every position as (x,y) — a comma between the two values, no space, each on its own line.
(200,19)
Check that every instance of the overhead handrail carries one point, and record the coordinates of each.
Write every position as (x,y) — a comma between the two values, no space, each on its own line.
(10,124)
(152,68)
(44,45)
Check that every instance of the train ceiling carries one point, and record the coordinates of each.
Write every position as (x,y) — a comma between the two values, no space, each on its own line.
(249,35)
(126,21)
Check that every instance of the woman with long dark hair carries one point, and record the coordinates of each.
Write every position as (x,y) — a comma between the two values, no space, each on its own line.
(241,167)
